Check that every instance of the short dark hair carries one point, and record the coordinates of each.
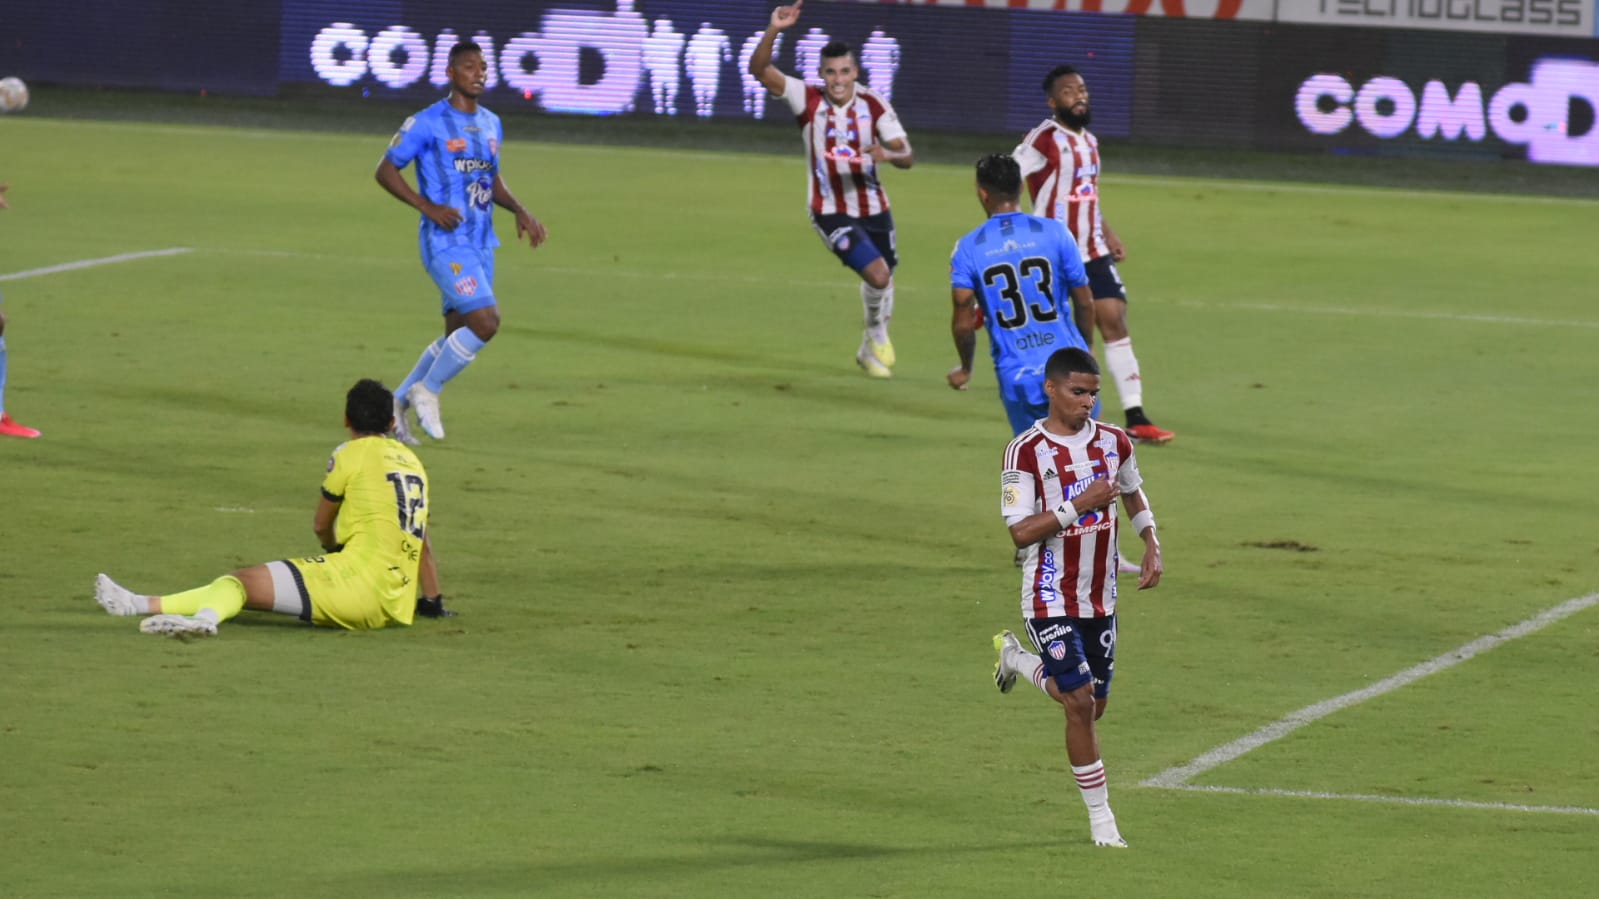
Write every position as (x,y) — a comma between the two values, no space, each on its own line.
(370,407)
(1049,80)
(836,49)
(1063,364)
(1000,175)
(463,47)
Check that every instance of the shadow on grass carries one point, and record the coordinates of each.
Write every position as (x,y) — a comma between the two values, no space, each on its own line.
(621,872)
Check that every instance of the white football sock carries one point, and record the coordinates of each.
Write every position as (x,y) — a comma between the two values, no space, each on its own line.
(1029,666)
(1096,795)
(879,308)
(1123,367)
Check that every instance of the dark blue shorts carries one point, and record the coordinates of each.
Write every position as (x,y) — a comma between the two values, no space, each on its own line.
(858,242)
(1104,280)
(1076,651)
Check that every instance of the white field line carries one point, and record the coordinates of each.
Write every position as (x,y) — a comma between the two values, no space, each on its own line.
(1178,777)
(1335,189)
(1394,800)
(91,263)
(1393,313)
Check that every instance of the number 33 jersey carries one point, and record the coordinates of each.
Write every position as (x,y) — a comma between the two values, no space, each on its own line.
(1022,268)
(457,157)
(383,495)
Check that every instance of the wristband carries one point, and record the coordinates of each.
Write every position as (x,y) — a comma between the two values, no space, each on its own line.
(1144,519)
(1066,513)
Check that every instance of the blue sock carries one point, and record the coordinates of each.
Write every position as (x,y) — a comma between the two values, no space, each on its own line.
(460,348)
(2,374)
(420,370)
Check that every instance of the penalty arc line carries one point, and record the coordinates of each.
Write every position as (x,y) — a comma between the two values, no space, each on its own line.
(91,263)
(1178,777)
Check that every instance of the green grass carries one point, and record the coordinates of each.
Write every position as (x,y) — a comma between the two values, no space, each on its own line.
(726,603)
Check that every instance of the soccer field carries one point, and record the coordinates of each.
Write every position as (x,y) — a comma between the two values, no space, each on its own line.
(726,603)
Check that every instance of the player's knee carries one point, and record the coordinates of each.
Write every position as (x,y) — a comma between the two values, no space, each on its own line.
(485,323)
(1112,318)
(1079,704)
(878,275)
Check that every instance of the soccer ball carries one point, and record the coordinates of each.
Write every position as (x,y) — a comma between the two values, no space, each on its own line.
(13,95)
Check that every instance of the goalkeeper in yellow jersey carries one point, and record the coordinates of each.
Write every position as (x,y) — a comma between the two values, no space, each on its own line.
(372,521)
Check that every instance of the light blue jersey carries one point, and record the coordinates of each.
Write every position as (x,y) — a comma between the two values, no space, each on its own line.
(1022,267)
(457,156)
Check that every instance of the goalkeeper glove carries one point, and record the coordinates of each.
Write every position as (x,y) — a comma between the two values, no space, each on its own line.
(432,607)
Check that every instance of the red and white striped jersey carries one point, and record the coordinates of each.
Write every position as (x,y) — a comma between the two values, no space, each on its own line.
(1073,572)
(840,179)
(1062,171)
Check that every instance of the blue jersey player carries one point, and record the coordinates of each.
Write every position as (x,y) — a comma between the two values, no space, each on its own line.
(1009,274)
(455,144)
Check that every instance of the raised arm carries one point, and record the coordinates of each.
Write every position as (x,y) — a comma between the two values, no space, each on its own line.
(761,60)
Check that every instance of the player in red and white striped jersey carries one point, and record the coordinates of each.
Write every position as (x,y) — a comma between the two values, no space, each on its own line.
(847,130)
(1058,495)
(1060,159)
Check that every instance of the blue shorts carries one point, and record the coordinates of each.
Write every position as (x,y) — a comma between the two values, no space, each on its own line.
(1076,651)
(1022,413)
(858,242)
(1104,280)
(465,277)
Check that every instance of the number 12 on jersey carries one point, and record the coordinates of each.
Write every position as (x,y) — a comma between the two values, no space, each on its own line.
(408,497)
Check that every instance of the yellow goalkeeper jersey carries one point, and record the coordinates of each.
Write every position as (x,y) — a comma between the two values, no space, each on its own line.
(383,494)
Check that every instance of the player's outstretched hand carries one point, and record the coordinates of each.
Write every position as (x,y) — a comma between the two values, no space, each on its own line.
(958,377)
(531,228)
(447,217)
(1150,571)
(784,16)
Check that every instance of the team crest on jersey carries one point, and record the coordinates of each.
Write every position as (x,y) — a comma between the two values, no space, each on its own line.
(455,268)
(1057,650)
(456,145)
(466,286)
